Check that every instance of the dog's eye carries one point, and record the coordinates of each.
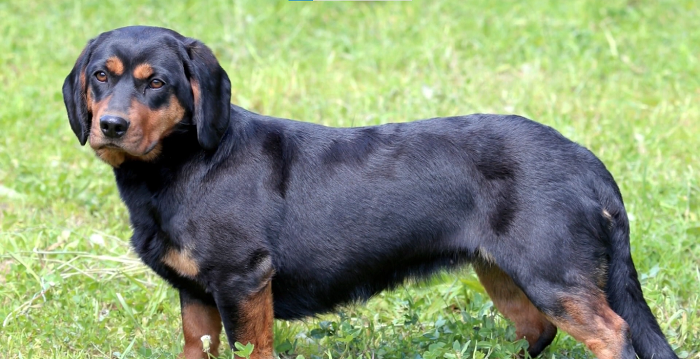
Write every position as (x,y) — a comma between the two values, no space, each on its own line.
(156,84)
(101,76)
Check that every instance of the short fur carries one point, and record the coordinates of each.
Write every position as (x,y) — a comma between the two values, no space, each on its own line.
(248,215)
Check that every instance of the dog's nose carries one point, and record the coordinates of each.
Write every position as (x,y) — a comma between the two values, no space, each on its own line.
(113,126)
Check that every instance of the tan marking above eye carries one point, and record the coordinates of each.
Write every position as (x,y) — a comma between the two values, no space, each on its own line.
(114,65)
(143,71)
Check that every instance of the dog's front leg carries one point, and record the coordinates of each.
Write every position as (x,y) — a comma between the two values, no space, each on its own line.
(249,319)
(200,317)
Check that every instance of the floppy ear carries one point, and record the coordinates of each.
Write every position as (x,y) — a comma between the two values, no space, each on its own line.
(211,89)
(74,95)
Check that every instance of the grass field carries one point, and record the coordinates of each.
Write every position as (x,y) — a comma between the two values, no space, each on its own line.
(620,77)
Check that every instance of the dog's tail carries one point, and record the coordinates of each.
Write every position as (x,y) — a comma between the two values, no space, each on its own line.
(623,289)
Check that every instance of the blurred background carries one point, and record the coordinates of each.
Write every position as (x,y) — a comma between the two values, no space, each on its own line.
(621,77)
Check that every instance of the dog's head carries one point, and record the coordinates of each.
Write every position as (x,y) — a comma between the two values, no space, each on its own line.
(133,86)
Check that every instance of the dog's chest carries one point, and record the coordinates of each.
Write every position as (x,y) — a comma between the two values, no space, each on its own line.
(157,214)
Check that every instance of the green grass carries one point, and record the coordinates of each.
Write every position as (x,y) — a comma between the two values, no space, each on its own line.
(620,77)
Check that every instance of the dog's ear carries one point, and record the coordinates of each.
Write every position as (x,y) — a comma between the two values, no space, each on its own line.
(211,90)
(75,95)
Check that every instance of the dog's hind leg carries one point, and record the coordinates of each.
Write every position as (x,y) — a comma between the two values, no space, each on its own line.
(572,302)
(529,322)
(589,319)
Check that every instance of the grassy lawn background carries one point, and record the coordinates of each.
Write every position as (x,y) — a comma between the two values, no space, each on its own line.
(620,77)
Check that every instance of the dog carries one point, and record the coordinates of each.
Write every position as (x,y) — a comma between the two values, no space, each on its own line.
(253,218)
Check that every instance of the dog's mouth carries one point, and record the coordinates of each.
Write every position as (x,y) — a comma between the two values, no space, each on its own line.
(113,146)
(109,146)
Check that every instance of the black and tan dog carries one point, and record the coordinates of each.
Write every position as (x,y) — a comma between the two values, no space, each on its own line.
(253,218)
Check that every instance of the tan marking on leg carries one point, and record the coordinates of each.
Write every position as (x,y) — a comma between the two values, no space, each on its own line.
(143,71)
(199,320)
(115,65)
(256,322)
(182,262)
(510,300)
(590,320)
